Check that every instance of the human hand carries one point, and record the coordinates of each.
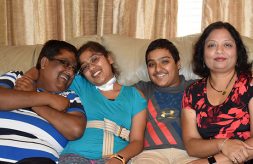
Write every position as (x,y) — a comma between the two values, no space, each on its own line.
(58,102)
(25,83)
(236,150)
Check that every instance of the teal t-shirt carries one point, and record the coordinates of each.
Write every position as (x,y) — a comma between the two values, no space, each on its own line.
(127,104)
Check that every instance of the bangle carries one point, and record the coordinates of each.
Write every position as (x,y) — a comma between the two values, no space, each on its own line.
(119,157)
(211,160)
(222,144)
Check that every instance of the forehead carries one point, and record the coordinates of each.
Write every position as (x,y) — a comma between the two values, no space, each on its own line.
(65,54)
(87,54)
(220,34)
(159,54)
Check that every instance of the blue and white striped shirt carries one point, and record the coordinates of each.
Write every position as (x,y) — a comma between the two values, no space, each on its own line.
(24,134)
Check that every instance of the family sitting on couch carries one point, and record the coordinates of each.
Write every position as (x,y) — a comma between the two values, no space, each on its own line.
(214,116)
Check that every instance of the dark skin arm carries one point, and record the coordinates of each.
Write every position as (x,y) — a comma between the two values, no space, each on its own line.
(13,99)
(136,138)
(71,125)
(48,106)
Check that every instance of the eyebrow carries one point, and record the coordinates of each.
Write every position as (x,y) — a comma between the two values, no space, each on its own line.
(211,40)
(163,57)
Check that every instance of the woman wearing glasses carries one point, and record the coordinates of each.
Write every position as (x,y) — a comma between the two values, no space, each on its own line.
(116,114)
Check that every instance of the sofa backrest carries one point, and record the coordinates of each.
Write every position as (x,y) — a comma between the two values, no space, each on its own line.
(129,54)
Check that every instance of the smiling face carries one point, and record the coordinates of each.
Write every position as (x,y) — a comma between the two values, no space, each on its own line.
(220,51)
(57,73)
(96,67)
(162,69)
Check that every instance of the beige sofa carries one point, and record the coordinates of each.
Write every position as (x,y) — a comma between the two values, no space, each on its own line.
(128,53)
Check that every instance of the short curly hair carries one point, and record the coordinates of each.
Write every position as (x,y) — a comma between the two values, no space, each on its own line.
(242,64)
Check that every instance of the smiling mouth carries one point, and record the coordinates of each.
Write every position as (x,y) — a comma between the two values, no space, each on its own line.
(95,74)
(160,75)
(65,77)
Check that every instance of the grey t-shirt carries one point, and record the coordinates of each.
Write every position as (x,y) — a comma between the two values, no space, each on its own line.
(163,128)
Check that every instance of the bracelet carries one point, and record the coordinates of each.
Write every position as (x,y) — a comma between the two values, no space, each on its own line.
(119,157)
(211,160)
(222,144)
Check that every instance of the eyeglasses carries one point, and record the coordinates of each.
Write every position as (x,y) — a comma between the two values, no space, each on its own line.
(94,59)
(66,64)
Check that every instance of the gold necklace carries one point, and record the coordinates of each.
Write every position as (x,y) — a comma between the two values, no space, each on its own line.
(223,92)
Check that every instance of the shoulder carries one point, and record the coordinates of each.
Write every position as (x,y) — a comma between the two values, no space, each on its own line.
(8,79)
(70,94)
(244,79)
(143,84)
(196,84)
(133,91)
(185,83)
(146,88)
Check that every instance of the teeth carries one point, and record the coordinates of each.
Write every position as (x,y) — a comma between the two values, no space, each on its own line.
(160,75)
(96,73)
(64,76)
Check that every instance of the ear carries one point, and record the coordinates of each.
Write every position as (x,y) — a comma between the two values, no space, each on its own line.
(179,65)
(110,59)
(43,62)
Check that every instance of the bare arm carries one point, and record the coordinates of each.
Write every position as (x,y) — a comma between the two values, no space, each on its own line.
(192,138)
(13,99)
(250,140)
(71,125)
(227,151)
(136,138)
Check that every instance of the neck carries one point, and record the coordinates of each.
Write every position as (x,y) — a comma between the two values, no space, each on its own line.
(218,90)
(108,86)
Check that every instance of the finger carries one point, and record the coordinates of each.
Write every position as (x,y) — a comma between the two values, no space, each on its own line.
(27,79)
(240,158)
(22,81)
(244,153)
(234,161)
(247,146)
(22,84)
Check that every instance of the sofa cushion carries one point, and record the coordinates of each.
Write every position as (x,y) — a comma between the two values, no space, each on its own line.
(129,54)
(16,58)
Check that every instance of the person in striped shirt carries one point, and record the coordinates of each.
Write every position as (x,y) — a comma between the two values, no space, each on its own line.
(36,121)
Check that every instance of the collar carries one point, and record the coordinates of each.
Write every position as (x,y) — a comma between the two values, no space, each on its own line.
(107,86)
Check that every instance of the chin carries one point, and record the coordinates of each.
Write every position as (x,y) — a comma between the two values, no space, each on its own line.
(62,88)
(160,84)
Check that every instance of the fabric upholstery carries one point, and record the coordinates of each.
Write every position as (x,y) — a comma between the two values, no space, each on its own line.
(128,54)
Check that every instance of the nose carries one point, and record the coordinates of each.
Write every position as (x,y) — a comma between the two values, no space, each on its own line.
(71,69)
(219,49)
(158,67)
(91,66)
